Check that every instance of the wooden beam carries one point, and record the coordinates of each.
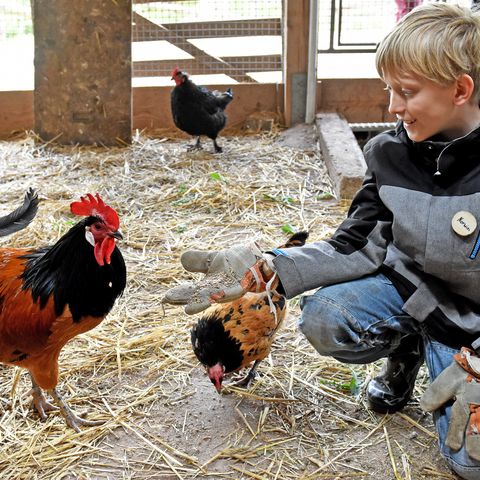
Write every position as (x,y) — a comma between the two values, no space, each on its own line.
(145,30)
(155,1)
(260,63)
(83,71)
(295,50)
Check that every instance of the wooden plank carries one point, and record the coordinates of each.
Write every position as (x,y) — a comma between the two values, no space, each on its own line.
(341,153)
(83,71)
(145,30)
(155,1)
(16,112)
(296,27)
(358,100)
(259,63)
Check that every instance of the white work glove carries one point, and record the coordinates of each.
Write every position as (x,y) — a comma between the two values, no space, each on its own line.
(459,381)
(229,274)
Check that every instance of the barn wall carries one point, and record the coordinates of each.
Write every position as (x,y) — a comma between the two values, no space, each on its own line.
(16,112)
(357,100)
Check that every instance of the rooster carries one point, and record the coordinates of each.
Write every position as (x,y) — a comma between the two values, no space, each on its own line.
(52,294)
(198,111)
(230,336)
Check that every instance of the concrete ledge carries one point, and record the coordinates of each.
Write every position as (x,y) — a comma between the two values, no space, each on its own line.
(341,154)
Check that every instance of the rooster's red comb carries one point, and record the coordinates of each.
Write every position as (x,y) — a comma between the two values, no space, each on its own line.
(95,207)
(175,72)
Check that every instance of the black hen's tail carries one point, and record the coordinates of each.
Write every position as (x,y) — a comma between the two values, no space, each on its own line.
(225,98)
(22,216)
(296,240)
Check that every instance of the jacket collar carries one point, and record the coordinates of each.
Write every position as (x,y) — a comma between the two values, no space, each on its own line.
(438,150)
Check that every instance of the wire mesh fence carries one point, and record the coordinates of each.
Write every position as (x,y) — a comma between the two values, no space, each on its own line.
(228,40)
(16,45)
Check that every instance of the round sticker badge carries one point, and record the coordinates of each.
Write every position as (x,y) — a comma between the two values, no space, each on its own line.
(464,223)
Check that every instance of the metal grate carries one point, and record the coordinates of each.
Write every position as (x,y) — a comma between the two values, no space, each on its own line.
(217,41)
(364,132)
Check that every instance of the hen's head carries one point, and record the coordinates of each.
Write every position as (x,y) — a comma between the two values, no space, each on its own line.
(101,227)
(179,76)
(216,375)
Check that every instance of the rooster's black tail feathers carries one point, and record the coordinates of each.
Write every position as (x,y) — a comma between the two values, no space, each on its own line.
(22,216)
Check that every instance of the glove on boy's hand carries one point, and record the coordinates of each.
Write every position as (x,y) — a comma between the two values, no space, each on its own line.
(229,274)
(461,381)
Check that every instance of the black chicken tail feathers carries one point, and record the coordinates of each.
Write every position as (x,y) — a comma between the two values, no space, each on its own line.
(224,98)
(22,216)
(227,94)
(298,239)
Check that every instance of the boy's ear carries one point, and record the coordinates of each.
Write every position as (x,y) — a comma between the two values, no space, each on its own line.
(464,89)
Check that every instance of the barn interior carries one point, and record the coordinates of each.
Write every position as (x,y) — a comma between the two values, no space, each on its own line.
(85,107)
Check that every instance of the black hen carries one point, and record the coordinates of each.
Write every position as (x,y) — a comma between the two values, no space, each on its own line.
(198,111)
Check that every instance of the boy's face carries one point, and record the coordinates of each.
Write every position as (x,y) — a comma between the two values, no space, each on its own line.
(426,108)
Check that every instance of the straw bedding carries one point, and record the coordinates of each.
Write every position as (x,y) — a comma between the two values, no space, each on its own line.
(303,418)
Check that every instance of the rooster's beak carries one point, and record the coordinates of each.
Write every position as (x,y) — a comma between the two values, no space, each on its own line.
(118,235)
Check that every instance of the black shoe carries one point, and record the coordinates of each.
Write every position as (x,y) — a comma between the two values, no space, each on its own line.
(390,391)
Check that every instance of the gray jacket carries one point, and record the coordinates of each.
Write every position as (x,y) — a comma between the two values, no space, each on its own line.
(400,222)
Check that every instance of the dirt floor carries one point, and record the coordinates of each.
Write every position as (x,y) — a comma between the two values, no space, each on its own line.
(305,416)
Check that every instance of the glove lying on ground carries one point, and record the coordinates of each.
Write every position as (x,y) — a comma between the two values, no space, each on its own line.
(229,274)
(459,381)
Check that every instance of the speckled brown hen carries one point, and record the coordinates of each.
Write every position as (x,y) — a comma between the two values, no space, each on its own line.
(230,336)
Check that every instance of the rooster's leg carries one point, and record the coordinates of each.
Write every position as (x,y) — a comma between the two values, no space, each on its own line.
(218,148)
(71,419)
(245,382)
(41,404)
(197,145)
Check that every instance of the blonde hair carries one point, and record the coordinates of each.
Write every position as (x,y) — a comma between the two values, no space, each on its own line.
(436,41)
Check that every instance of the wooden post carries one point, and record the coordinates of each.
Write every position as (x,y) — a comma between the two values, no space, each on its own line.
(295,58)
(83,71)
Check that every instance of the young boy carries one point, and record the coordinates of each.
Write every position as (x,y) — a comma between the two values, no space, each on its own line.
(400,277)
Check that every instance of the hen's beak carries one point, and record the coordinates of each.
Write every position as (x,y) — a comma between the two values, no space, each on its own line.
(118,235)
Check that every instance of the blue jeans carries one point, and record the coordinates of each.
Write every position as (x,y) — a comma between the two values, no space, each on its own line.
(362,321)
